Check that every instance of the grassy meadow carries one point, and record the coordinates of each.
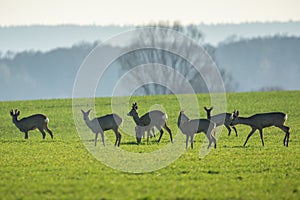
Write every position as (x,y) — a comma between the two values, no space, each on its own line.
(63,168)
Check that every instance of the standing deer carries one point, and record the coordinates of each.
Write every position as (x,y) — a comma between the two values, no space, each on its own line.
(190,127)
(104,123)
(148,121)
(263,120)
(221,119)
(32,122)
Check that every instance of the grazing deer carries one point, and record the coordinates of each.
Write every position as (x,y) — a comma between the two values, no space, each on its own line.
(263,120)
(190,127)
(32,122)
(221,119)
(104,123)
(148,121)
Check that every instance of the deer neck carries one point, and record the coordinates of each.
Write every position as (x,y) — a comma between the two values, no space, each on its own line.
(182,119)
(136,119)
(179,121)
(19,124)
(16,121)
(208,115)
(244,120)
(88,122)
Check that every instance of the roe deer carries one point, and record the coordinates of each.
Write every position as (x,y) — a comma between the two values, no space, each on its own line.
(101,124)
(221,119)
(190,127)
(32,122)
(154,118)
(263,120)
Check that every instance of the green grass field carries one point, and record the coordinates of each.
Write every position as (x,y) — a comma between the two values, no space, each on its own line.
(62,168)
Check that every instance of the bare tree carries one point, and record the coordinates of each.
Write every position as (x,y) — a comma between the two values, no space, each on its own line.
(152,37)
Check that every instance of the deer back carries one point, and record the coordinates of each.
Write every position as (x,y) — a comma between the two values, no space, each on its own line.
(222,118)
(263,120)
(32,122)
(110,121)
(153,118)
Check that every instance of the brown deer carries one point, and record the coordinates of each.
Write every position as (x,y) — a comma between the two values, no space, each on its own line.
(261,121)
(148,121)
(32,122)
(221,119)
(104,123)
(190,127)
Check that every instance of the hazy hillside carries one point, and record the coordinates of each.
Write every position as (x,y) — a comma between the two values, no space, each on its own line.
(45,38)
(262,63)
(35,75)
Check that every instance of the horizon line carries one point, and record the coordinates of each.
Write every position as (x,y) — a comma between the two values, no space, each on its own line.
(153,22)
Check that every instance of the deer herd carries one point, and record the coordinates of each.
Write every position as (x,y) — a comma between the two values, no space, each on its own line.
(158,119)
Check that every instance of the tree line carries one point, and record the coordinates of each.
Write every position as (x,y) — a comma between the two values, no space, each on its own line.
(245,65)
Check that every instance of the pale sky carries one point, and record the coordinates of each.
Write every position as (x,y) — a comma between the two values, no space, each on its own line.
(133,12)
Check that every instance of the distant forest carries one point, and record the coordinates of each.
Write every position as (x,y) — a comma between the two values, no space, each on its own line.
(265,63)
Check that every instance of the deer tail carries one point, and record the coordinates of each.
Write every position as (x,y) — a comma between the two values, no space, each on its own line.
(47,120)
(285,117)
(165,117)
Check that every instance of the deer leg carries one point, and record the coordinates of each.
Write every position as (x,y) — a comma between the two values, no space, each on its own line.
(169,131)
(161,133)
(187,142)
(102,137)
(96,138)
(250,134)
(287,135)
(228,128)
(49,131)
(148,135)
(117,136)
(214,132)
(153,132)
(192,141)
(261,137)
(211,138)
(214,139)
(42,132)
(120,136)
(236,134)
(26,135)
(286,139)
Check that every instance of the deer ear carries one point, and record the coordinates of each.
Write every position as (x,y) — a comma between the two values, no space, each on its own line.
(237,113)
(11,112)
(211,108)
(17,112)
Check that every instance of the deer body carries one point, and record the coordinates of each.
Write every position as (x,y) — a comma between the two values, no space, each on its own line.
(104,123)
(261,121)
(190,127)
(148,121)
(221,119)
(37,121)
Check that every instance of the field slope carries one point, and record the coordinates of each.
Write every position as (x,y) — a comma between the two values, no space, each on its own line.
(63,169)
